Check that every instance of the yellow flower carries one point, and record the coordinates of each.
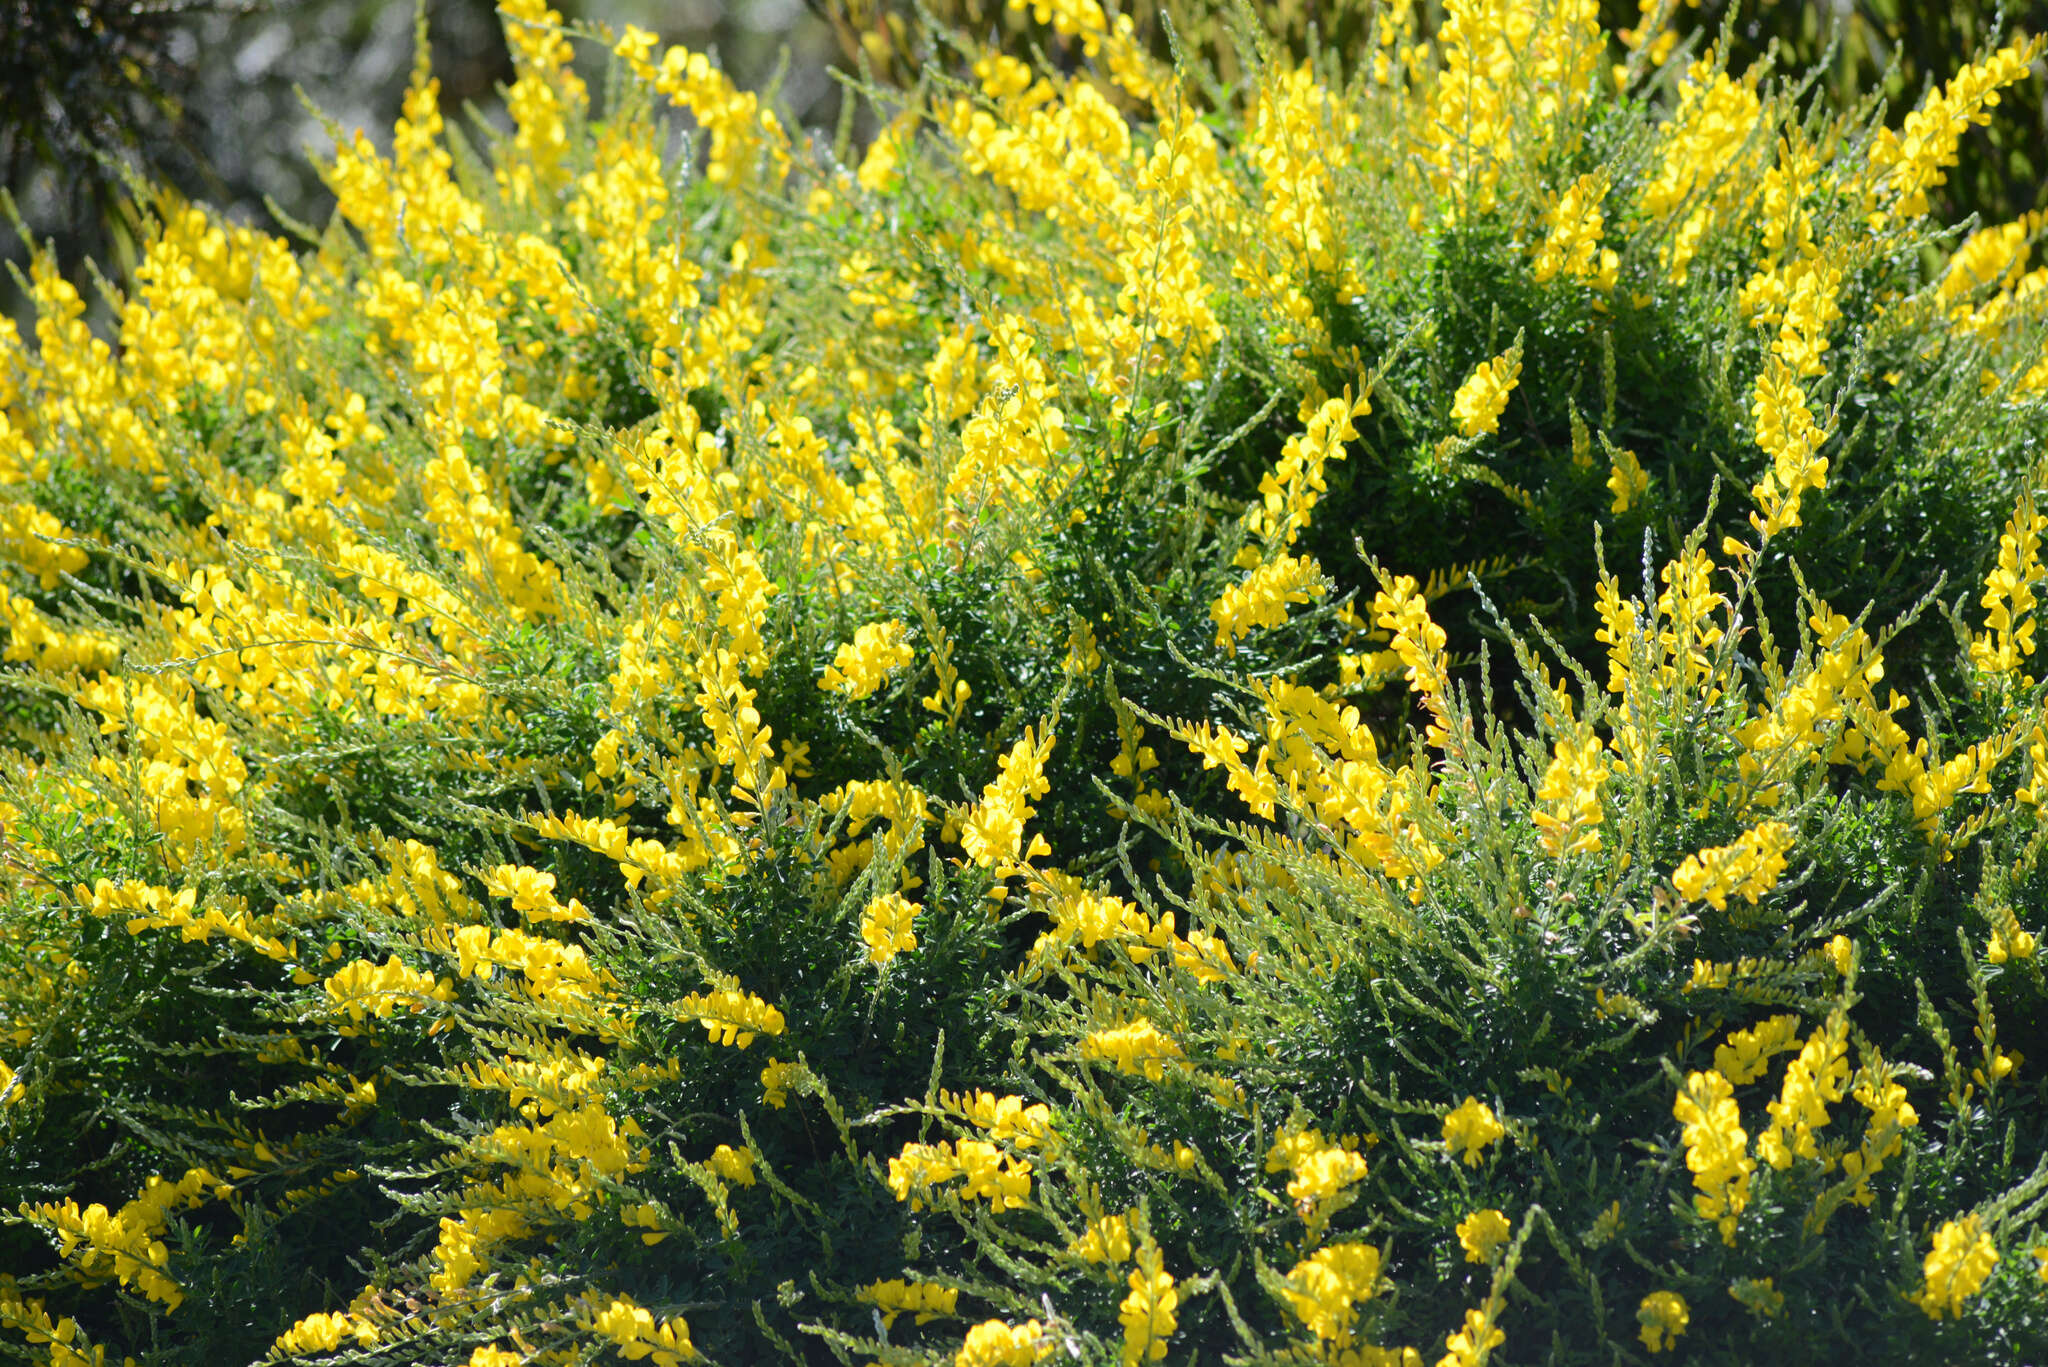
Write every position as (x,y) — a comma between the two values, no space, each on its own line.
(886,926)
(1627,481)
(323,1333)
(1572,244)
(1321,1170)
(1758,1296)
(993,1343)
(993,832)
(2009,599)
(1262,598)
(1323,1288)
(775,1082)
(2009,940)
(1569,819)
(1220,748)
(1104,1240)
(638,1334)
(365,988)
(1910,162)
(1747,1054)
(732,1017)
(1748,869)
(1484,396)
(1956,1268)
(1003,1181)
(1891,1115)
(1401,608)
(1288,492)
(1707,132)
(877,651)
(734,1165)
(1147,1313)
(26,537)
(1004,1117)
(926,1300)
(1016,432)
(1469,1129)
(1139,1049)
(1817,1078)
(1841,953)
(996,1177)
(1472,1344)
(1481,1232)
(532,893)
(1663,1315)
(1716,1148)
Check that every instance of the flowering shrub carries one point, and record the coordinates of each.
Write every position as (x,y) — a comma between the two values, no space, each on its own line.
(1027,748)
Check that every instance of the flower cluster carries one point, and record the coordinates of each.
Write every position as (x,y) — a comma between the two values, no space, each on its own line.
(1956,1267)
(1469,1129)
(1139,1048)
(1001,1179)
(859,668)
(610,595)
(993,833)
(1748,869)
(1483,397)
(730,1016)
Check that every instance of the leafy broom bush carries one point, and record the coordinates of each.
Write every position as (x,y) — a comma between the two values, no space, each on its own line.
(1155,722)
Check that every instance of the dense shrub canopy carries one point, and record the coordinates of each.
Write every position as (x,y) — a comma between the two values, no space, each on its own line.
(1382,714)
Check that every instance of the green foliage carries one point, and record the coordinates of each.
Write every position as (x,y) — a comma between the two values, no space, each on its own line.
(1168,721)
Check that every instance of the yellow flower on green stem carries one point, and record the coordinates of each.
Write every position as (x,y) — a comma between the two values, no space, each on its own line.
(1664,1316)
(1469,1129)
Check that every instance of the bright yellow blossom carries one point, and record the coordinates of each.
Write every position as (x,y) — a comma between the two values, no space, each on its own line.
(926,1300)
(1321,1172)
(1474,1342)
(1716,1149)
(775,1079)
(1324,1288)
(1483,397)
(1748,869)
(1664,1316)
(1147,1312)
(1139,1048)
(637,1333)
(993,833)
(1569,820)
(2009,940)
(2009,599)
(1817,1078)
(1572,244)
(1481,1232)
(734,1165)
(993,1343)
(323,1333)
(730,1016)
(1262,598)
(859,668)
(1956,1268)
(1911,161)
(887,924)
(1627,481)
(1470,1128)
(1747,1054)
